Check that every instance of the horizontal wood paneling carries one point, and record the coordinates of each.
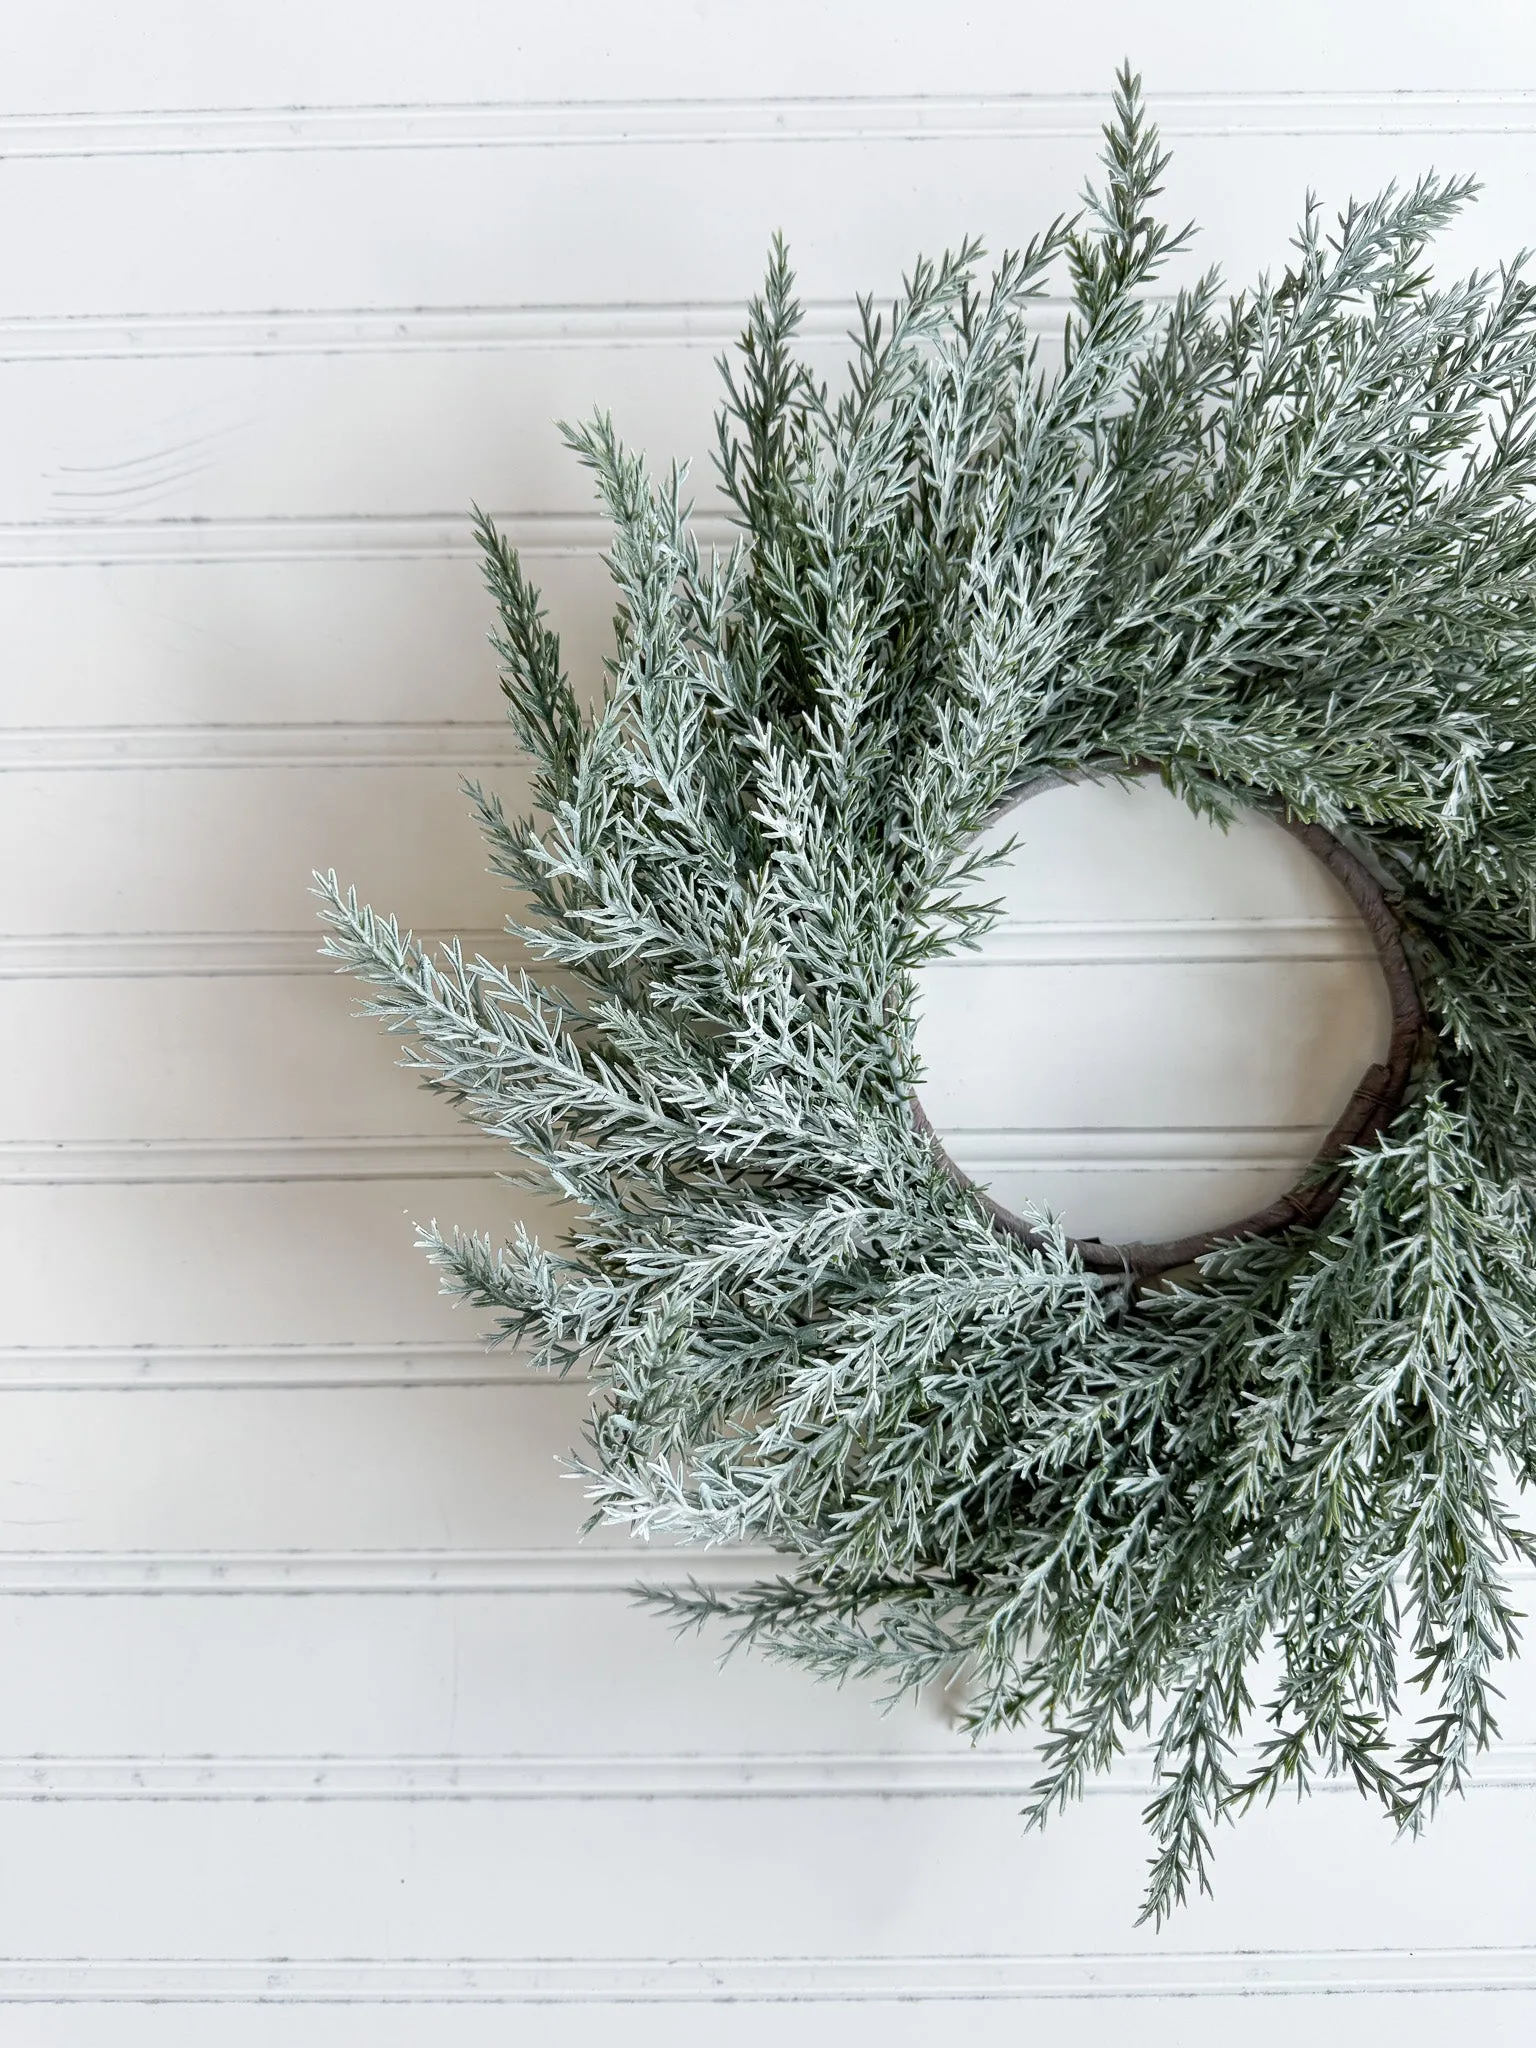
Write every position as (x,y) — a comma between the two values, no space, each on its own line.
(262,641)
(197,850)
(212,1162)
(583,1775)
(1062,1025)
(695,226)
(340,1469)
(1143,1080)
(452,1672)
(120,1369)
(162,1058)
(411,330)
(789,118)
(311,1693)
(594,1566)
(499,1657)
(474,745)
(265,1264)
(1500,2019)
(289,55)
(168,1061)
(362,537)
(241,437)
(130,956)
(731,1981)
(443,1880)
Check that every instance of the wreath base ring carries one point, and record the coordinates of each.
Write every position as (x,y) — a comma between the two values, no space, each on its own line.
(1375,1102)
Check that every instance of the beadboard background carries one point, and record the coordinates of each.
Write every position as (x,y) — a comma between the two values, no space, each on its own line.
(318,1724)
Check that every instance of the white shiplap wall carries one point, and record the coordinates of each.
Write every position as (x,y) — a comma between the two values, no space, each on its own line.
(316,1726)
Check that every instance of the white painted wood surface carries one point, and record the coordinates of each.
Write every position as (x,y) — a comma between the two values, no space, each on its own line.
(319,1724)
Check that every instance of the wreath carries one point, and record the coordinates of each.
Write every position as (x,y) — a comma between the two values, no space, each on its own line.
(1277,548)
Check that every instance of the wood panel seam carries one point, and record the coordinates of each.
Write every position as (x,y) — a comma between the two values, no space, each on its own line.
(107,1162)
(133,956)
(306,537)
(271,1368)
(723,120)
(595,1569)
(409,330)
(361,743)
(784,1978)
(961,1772)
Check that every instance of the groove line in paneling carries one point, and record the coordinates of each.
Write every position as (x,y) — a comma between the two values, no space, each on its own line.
(131,956)
(137,1161)
(597,1569)
(965,1772)
(409,330)
(349,537)
(901,1774)
(1154,1147)
(273,1368)
(728,120)
(377,744)
(749,1980)
(128,956)
(1181,941)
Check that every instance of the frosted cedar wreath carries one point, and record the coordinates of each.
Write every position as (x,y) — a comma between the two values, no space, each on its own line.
(1279,548)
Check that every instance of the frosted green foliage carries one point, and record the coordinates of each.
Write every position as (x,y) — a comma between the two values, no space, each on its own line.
(1280,545)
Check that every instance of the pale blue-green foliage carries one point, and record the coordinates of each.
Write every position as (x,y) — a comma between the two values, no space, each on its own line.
(1281,546)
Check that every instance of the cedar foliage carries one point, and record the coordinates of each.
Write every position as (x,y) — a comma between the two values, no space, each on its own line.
(1278,544)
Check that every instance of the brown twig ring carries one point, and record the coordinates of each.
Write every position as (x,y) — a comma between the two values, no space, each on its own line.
(1369,1110)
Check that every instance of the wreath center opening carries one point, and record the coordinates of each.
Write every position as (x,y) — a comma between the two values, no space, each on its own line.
(1163,1026)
